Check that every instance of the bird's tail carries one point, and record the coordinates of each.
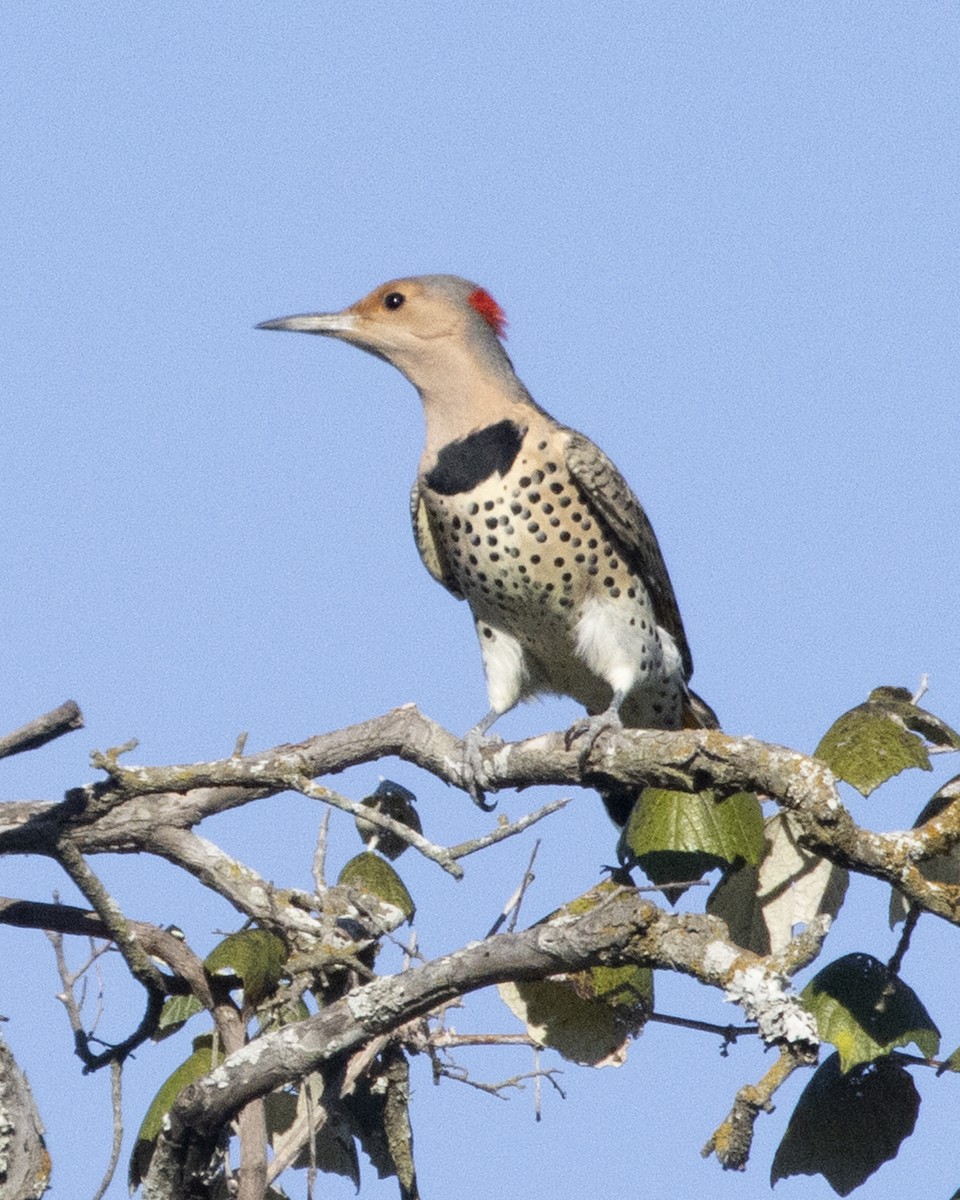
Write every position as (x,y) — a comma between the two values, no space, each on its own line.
(618,798)
(697,713)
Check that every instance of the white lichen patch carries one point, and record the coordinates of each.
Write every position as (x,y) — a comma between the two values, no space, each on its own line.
(363,1003)
(810,774)
(719,957)
(764,998)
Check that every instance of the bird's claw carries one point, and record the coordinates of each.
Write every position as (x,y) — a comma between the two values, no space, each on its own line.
(589,729)
(473,769)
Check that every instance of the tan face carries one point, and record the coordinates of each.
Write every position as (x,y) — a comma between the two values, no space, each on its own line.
(397,318)
(401,310)
(442,332)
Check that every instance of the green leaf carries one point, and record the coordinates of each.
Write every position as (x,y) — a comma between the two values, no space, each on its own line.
(953,1062)
(941,868)
(256,956)
(677,836)
(280,1112)
(847,1124)
(370,873)
(735,901)
(199,1063)
(379,1110)
(899,700)
(395,801)
(873,742)
(764,906)
(626,987)
(587,1016)
(175,1014)
(866,1012)
(334,1151)
(275,1016)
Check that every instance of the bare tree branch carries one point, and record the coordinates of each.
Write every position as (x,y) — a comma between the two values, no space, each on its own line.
(123,814)
(25,1169)
(332,930)
(43,729)
(626,929)
(732,1139)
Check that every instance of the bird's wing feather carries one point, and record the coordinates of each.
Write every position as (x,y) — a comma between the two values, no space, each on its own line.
(429,546)
(616,507)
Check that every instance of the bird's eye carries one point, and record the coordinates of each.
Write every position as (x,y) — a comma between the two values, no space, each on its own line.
(393,299)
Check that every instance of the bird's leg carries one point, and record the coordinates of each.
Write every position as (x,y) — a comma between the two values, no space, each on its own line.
(473,769)
(590,728)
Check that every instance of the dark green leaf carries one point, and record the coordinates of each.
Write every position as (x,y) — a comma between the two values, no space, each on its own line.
(334,1151)
(378,1107)
(900,701)
(275,1016)
(628,987)
(941,868)
(585,1030)
(280,1112)
(589,1015)
(866,1012)
(257,958)
(395,801)
(846,1125)
(735,901)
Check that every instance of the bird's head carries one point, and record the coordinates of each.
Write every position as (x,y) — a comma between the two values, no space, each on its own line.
(412,319)
(424,325)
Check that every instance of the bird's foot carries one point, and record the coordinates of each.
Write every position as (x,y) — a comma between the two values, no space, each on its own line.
(473,768)
(588,729)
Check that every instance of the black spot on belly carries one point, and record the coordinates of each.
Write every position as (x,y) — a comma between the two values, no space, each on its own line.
(463,464)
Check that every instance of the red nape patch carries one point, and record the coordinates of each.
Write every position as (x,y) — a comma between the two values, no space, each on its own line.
(490,310)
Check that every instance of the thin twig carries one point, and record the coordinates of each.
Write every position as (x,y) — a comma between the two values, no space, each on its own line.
(729,1033)
(320,854)
(506,830)
(116,1103)
(512,907)
(903,945)
(459,1075)
(438,854)
(138,961)
(444,1039)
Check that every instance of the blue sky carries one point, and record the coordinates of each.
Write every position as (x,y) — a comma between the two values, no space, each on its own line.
(726,239)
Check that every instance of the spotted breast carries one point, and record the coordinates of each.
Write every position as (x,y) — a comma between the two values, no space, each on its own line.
(558,603)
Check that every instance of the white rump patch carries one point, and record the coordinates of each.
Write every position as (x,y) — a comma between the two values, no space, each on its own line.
(616,650)
(503,665)
(672,659)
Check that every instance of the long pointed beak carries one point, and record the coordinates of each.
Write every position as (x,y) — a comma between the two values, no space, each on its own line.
(332,324)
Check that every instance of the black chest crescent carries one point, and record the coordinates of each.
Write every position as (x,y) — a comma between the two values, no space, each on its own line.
(463,465)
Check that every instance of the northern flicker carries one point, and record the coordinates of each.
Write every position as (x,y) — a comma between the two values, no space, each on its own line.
(527,520)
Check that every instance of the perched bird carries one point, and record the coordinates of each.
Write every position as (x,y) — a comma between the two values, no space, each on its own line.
(527,520)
